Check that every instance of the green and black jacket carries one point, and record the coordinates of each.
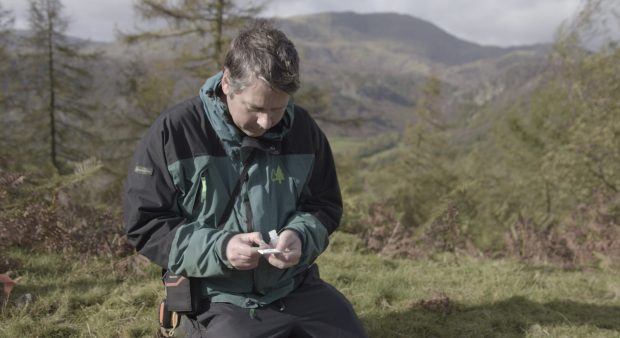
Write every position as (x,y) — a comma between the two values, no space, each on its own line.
(182,177)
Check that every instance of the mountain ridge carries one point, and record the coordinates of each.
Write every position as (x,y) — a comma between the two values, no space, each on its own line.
(374,66)
(413,35)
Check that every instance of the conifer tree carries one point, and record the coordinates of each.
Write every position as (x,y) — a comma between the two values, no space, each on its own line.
(556,150)
(587,162)
(6,22)
(60,84)
(6,144)
(422,162)
(428,154)
(204,22)
(144,91)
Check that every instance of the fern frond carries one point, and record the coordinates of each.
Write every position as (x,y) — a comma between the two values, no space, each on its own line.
(10,180)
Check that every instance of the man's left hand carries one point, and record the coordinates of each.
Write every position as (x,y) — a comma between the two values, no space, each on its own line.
(290,245)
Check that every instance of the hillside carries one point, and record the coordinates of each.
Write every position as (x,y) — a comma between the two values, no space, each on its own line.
(368,66)
(372,65)
(397,33)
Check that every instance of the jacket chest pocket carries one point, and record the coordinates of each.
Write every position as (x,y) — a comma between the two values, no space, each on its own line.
(276,194)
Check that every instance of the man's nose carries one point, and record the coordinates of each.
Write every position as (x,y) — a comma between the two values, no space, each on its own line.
(264,121)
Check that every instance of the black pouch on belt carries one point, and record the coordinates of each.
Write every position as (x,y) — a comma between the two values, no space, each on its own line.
(183,294)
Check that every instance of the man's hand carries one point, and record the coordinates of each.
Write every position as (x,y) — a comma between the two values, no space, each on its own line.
(290,245)
(242,250)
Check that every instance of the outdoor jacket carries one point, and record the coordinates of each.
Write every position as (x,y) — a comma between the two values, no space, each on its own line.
(182,177)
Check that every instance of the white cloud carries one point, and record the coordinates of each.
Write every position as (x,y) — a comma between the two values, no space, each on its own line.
(508,23)
(501,22)
(94,20)
(97,19)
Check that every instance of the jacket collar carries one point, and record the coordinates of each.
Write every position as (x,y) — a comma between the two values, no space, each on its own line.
(232,138)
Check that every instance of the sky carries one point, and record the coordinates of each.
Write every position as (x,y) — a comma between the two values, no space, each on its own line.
(489,22)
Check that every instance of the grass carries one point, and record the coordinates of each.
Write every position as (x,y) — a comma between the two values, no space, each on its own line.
(468,297)
(442,297)
(345,145)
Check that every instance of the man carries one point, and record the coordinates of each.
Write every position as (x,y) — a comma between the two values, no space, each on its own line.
(216,174)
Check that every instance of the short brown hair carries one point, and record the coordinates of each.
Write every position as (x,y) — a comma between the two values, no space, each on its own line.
(261,51)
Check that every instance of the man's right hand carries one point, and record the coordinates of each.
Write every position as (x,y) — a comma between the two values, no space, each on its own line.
(242,250)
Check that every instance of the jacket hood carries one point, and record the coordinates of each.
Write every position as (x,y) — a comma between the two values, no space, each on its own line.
(227,131)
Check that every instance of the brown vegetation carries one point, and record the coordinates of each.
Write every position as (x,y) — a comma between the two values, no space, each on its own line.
(48,218)
(387,236)
(589,238)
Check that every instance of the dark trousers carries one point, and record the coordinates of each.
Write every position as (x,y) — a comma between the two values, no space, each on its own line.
(315,309)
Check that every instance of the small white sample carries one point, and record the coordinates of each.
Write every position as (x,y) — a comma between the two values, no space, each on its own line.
(273,238)
(268,251)
(273,241)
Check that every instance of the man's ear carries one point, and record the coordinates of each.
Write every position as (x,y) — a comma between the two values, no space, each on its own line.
(226,82)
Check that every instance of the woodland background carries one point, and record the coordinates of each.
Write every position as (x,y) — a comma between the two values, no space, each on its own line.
(456,161)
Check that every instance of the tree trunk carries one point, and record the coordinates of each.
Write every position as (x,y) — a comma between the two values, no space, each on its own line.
(52,89)
(219,23)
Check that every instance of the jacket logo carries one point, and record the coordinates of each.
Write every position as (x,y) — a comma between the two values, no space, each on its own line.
(143,170)
(277,175)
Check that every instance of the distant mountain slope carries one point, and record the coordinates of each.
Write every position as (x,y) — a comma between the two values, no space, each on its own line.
(404,33)
(373,65)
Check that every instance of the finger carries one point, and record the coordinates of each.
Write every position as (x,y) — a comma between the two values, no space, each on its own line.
(288,259)
(289,241)
(245,266)
(253,238)
(288,247)
(249,261)
(291,257)
(283,245)
(245,263)
(275,261)
(248,252)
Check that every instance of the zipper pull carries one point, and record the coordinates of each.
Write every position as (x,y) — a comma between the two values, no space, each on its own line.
(203,194)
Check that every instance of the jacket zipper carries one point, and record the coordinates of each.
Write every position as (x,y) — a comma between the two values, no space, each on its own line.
(249,219)
(201,194)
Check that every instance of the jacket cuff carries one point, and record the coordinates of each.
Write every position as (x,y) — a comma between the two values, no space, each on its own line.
(224,243)
(313,234)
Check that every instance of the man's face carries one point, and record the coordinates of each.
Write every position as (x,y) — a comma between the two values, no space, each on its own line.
(256,108)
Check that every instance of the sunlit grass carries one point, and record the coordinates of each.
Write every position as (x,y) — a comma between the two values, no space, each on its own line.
(469,297)
(441,297)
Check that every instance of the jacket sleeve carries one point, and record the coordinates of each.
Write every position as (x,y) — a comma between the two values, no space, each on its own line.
(153,221)
(320,207)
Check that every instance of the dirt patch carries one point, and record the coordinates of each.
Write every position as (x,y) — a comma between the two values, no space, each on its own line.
(440,304)
(131,266)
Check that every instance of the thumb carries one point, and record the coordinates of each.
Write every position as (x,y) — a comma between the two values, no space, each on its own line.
(289,240)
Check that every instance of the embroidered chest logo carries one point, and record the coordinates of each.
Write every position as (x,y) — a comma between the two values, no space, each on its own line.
(277,175)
